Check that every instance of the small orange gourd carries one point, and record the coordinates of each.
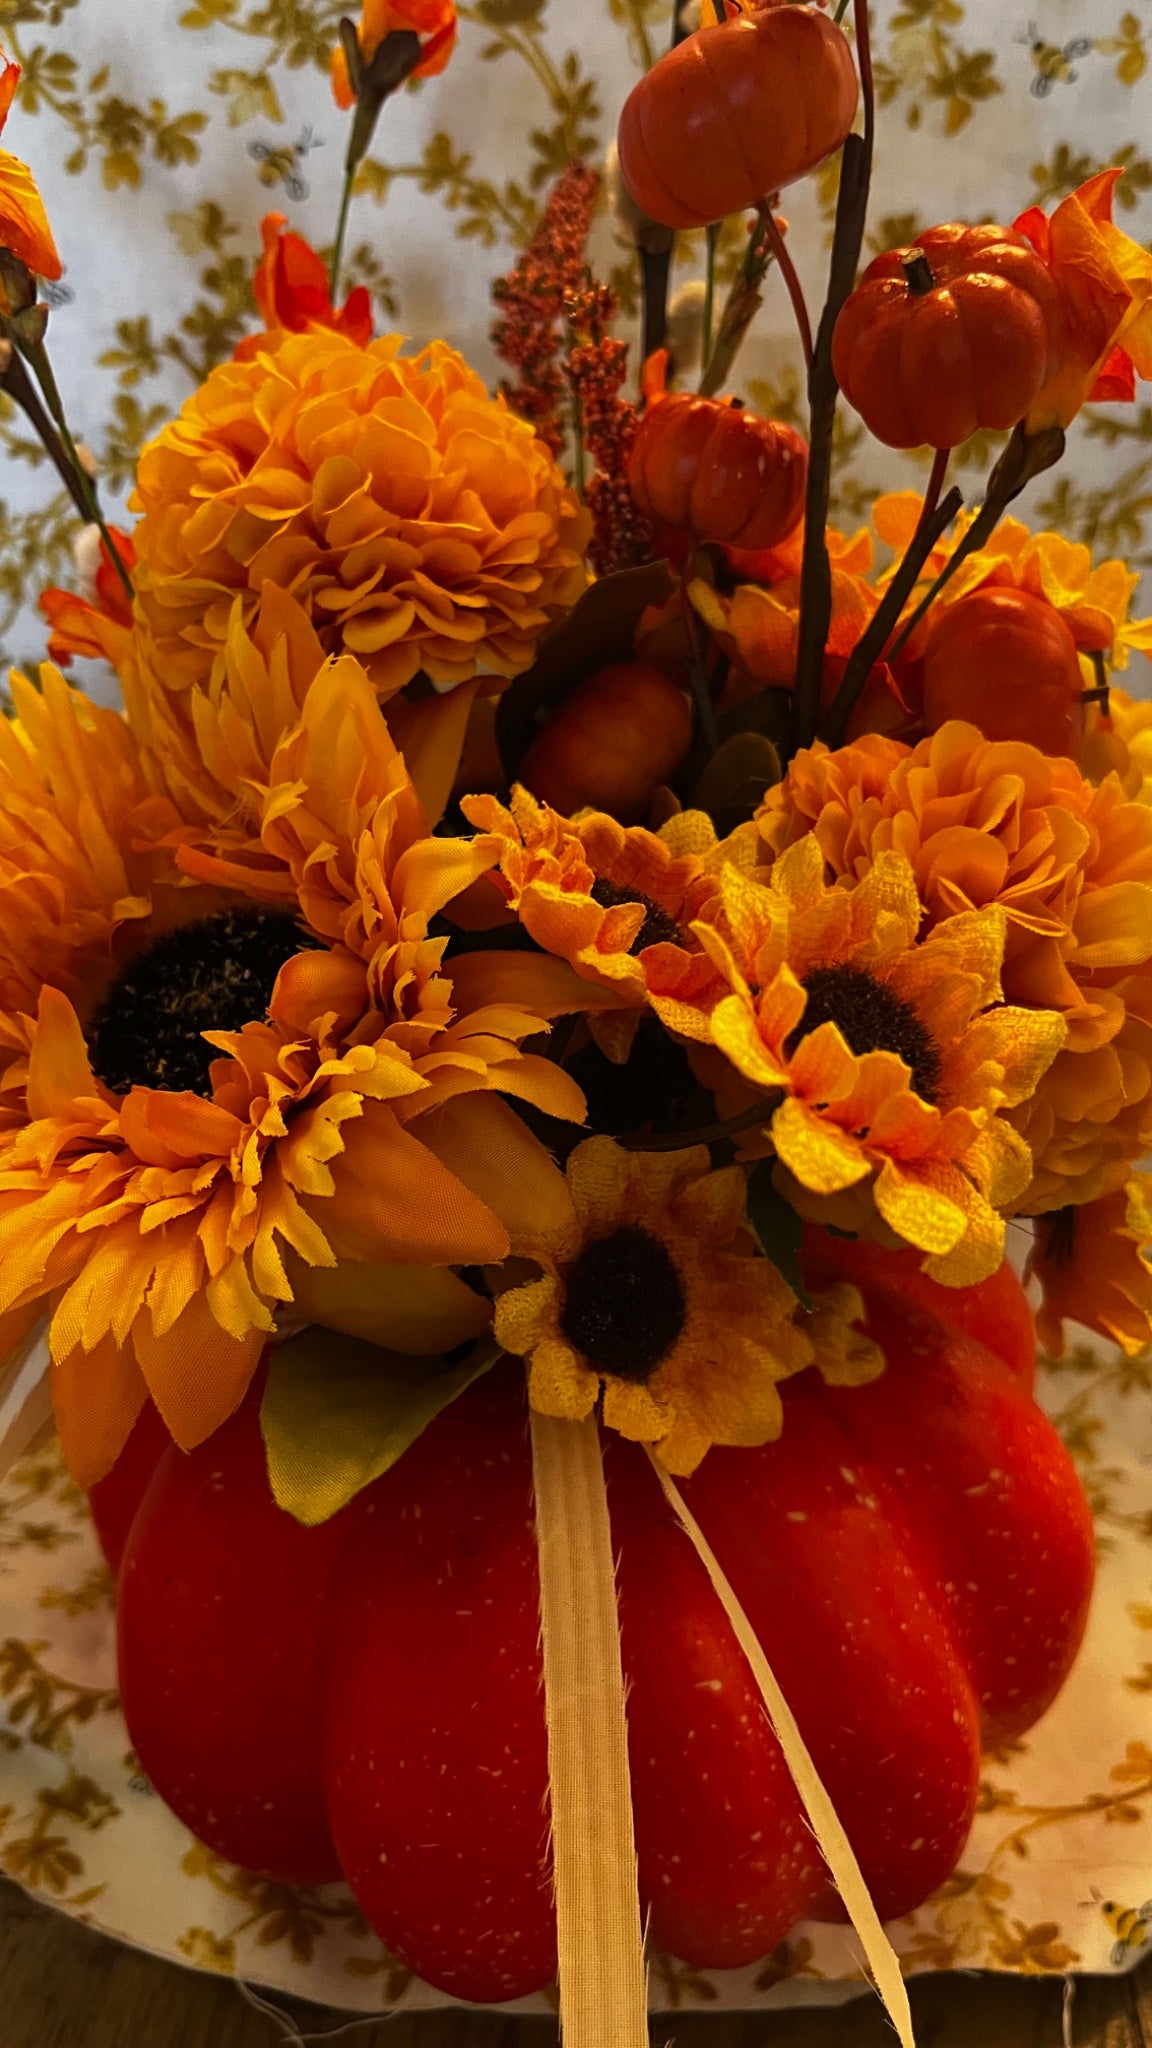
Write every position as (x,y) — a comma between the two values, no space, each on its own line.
(706,467)
(946,337)
(735,111)
(622,732)
(1007,662)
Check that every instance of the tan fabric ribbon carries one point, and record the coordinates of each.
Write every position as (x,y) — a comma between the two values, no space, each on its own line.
(831,1839)
(603,1982)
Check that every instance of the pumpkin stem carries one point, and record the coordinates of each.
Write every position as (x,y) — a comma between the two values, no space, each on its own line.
(918,272)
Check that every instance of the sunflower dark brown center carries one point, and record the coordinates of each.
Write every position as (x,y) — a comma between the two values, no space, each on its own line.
(624,1304)
(872,1019)
(659,927)
(215,975)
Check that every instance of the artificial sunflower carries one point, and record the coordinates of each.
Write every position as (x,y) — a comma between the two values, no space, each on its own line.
(617,902)
(883,1061)
(222,1075)
(653,1293)
(418,522)
(1069,863)
(1093,1268)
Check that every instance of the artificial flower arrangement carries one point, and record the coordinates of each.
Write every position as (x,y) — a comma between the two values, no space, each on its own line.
(523,1041)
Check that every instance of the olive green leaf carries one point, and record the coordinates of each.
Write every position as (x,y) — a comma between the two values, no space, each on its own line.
(337,1413)
(778,1228)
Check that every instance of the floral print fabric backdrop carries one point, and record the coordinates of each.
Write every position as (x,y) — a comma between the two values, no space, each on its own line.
(161,130)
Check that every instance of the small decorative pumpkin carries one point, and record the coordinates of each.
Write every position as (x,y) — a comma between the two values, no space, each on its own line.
(915,1556)
(707,467)
(1007,662)
(611,743)
(734,112)
(947,336)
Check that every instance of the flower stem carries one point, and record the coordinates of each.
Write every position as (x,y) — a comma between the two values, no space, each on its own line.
(19,386)
(787,268)
(740,307)
(710,1134)
(38,357)
(711,238)
(698,676)
(350,170)
(847,242)
(870,647)
(1026,456)
(936,476)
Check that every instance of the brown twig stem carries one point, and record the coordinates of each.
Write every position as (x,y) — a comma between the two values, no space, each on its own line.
(936,476)
(787,268)
(1026,456)
(19,386)
(709,1134)
(870,647)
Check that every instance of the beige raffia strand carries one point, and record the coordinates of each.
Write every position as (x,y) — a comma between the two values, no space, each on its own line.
(835,1847)
(603,1987)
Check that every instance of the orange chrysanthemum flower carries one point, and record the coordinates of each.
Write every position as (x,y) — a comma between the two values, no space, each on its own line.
(213,1086)
(420,525)
(1093,1269)
(884,1060)
(291,287)
(434,21)
(24,229)
(1071,866)
(618,903)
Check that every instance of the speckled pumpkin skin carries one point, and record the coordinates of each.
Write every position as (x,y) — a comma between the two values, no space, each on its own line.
(916,1557)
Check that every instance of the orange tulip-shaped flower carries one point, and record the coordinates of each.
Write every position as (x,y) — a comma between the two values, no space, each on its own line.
(97,624)
(1105,284)
(434,21)
(24,229)
(291,287)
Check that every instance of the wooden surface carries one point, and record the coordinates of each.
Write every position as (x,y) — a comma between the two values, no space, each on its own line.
(62,1987)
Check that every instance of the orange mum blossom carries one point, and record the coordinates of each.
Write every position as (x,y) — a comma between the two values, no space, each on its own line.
(206,1095)
(418,523)
(1093,599)
(884,1061)
(97,621)
(24,229)
(291,286)
(1093,1269)
(434,21)
(1070,864)
(1104,280)
(618,903)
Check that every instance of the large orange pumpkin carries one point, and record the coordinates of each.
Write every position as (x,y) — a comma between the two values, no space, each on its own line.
(736,111)
(706,467)
(947,336)
(622,732)
(915,1556)
(1005,661)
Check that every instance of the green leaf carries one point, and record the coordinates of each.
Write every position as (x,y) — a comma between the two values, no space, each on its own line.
(337,1413)
(778,1228)
(735,779)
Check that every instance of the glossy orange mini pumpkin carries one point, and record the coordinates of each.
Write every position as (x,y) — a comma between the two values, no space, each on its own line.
(708,468)
(915,1556)
(734,112)
(947,336)
(1005,661)
(622,732)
